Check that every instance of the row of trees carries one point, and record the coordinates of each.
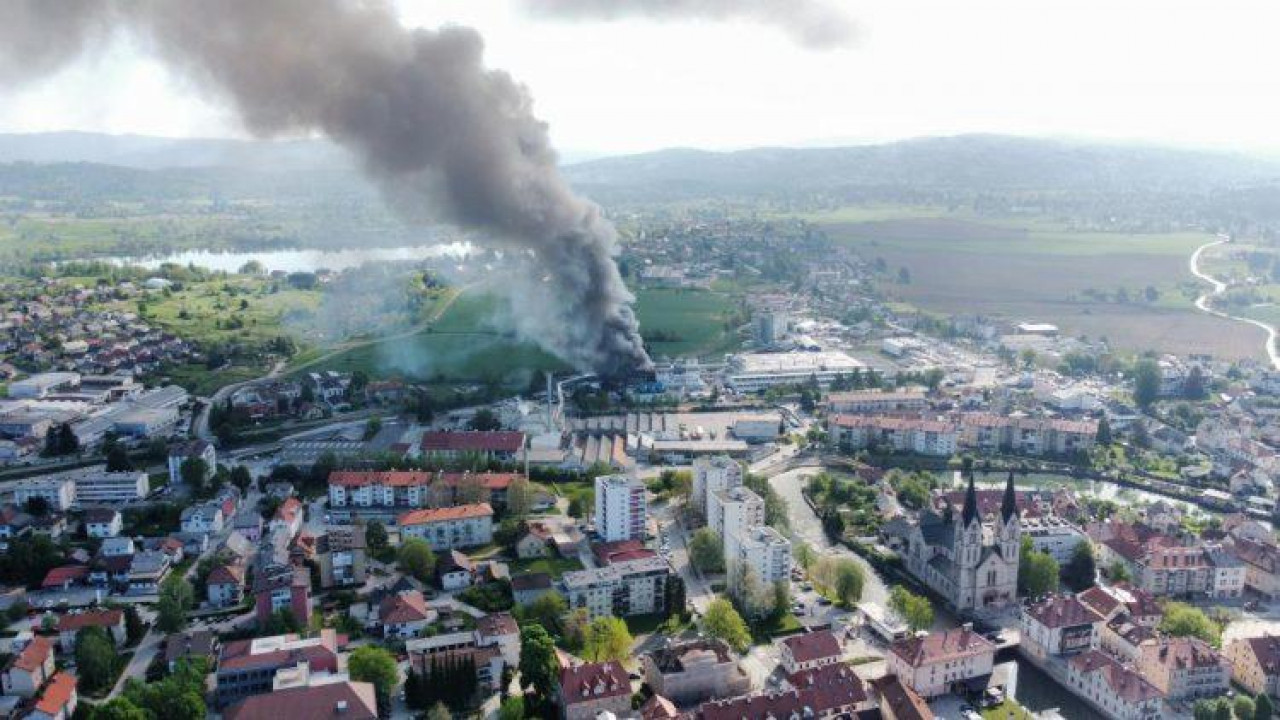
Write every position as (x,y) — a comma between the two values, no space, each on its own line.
(451,681)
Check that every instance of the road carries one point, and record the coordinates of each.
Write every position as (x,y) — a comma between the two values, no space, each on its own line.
(1219,287)
(806,526)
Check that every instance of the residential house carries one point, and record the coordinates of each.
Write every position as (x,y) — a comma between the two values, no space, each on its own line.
(341,555)
(898,701)
(454,570)
(809,651)
(1255,664)
(1261,565)
(103,522)
(689,672)
(1060,625)
(203,518)
(461,526)
(941,661)
(147,570)
(405,615)
(182,452)
(225,585)
(57,700)
(527,587)
(110,620)
(1185,668)
(589,689)
(29,669)
(1119,692)
(831,691)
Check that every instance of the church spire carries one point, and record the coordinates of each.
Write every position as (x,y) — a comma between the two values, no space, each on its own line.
(970,503)
(1009,505)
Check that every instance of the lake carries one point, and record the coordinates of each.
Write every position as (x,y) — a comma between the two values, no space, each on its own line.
(302,260)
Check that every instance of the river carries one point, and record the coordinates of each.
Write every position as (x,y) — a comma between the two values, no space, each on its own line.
(1217,288)
(302,260)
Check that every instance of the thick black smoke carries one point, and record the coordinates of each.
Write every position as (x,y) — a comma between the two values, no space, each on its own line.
(811,22)
(430,123)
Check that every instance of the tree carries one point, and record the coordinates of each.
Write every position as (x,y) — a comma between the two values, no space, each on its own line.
(61,440)
(1263,708)
(1037,573)
(176,597)
(1243,707)
(547,611)
(1146,383)
(134,629)
(849,581)
(37,505)
(519,497)
(1118,572)
(915,610)
(193,471)
(372,427)
(607,639)
(575,624)
(1182,620)
(120,708)
(373,664)
(178,697)
(241,478)
(485,419)
(415,558)
(1081,571)
(538,661)
(512,708)
(1194,387)
(723,622)
(118,460)
(375,534)
(95,658)
(706,551)
(1103,437)
(804,554)
(439,712)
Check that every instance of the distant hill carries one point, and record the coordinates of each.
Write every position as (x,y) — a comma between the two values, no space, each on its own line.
(974,163)
(152,153)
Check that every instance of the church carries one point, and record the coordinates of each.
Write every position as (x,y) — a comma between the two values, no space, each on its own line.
(974,566)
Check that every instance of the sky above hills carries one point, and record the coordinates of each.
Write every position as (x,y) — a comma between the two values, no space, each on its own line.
(1168,71)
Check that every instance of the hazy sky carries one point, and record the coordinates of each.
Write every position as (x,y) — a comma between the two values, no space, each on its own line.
(1173,71)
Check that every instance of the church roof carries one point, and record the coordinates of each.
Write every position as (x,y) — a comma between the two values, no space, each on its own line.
(970,512)
(1009,504)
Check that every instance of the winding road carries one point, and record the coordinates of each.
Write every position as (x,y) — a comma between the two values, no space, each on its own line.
(1219,287)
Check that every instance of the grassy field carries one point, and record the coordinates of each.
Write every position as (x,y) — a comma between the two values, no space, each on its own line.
(206,310)
(685,322)
(1034,272)
(553,566)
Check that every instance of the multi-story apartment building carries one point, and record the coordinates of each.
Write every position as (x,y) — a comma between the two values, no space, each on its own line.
(762,550)
(461,526)
(1185,668)
(384,495)
(248,667)
(711,475)
(1060,625)
(937,663)
(734,511)
(340,553)
(1261,564)
(620,508)
(630,587)
(877,402)
(59,491)
(914,435)
(1053,535)
(1027,436)
(1117,691)
(1255,664)
(99,487)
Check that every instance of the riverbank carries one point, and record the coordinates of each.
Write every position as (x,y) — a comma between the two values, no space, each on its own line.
(1218,287)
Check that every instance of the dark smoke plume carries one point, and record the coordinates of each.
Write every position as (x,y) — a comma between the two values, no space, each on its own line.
(431,125)
(813,23)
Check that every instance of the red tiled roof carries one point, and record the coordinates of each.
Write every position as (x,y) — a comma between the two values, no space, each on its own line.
(458,512)
(824,691)
(472,441)
(1183,652)
(316,702)
(941,645)
(489,481)
(60,575)
(1125,683)
(34,654)
(93,618)
(1059,611)
(1266,650)
(497,624)
(592,681)
(658,708)
(1100,600)
(57,694)
(813,646)
(226,575)
(901,700)
(397,478)
(403,608)
(289,509)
